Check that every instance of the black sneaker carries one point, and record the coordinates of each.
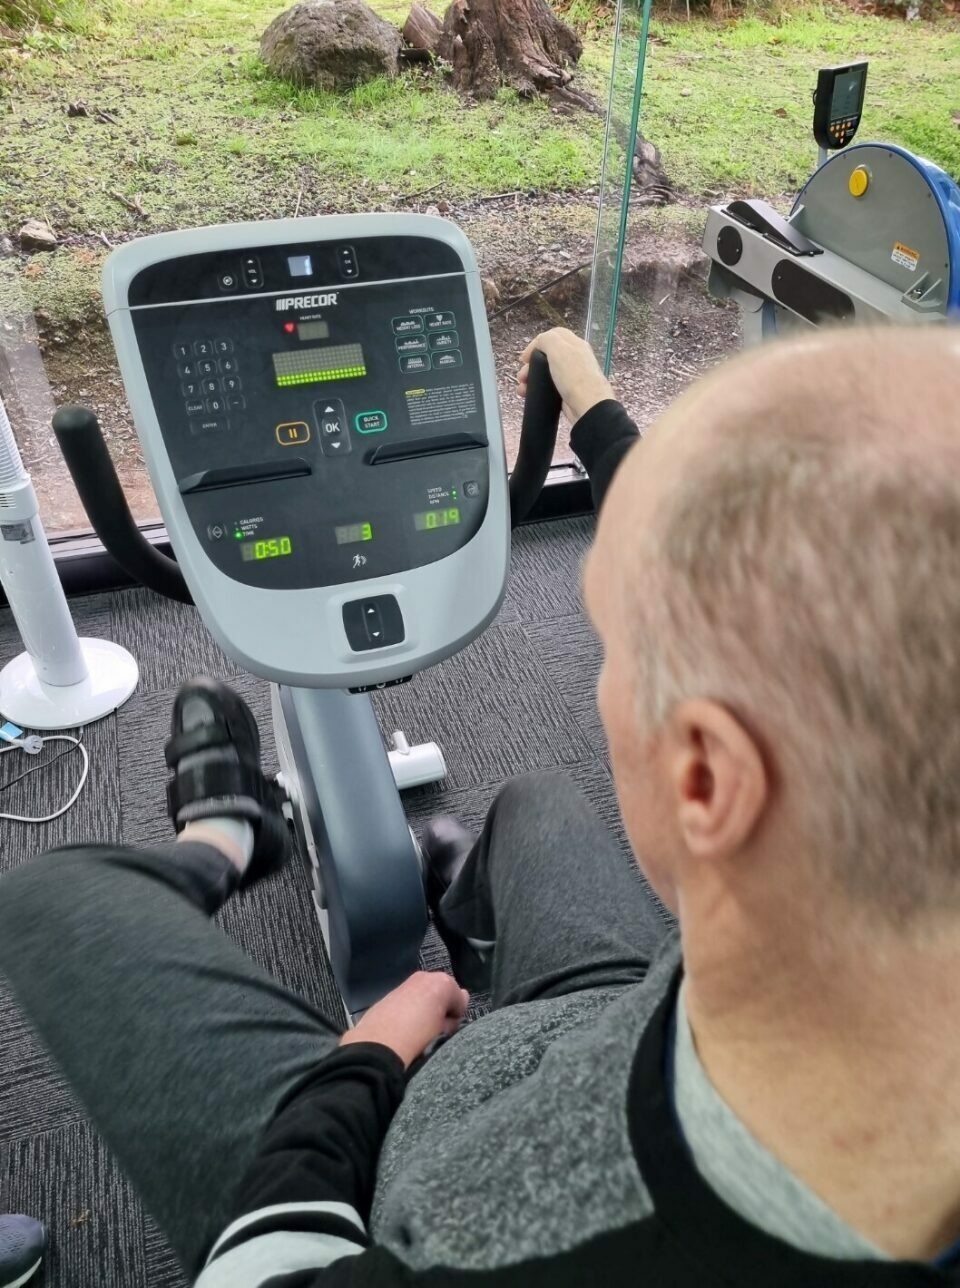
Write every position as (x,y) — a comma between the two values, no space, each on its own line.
(214,752)
(23,1242)
(446,845)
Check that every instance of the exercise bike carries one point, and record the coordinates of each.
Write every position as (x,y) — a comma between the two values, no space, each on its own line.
(873,236)
(317,405)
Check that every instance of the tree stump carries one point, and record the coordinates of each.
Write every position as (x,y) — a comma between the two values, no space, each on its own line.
(423,29)
(519,43)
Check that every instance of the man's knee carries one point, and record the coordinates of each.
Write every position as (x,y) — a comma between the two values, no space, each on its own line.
(544,797)
(534,789)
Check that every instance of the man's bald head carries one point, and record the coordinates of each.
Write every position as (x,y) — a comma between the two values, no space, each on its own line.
(786,543)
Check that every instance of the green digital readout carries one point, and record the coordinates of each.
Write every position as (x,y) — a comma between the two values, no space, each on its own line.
(431,519)
(351,533)
(312,366)
(270,548)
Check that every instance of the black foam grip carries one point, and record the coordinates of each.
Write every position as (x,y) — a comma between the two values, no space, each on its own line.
(538,438)
(92,470)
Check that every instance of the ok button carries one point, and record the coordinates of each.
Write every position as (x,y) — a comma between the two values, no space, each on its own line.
(294,433)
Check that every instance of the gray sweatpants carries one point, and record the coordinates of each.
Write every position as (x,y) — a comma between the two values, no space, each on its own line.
(181,1048)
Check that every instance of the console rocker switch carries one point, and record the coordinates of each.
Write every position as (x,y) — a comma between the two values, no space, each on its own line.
(373,623)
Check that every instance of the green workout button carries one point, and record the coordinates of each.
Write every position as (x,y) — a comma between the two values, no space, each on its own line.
(371,422)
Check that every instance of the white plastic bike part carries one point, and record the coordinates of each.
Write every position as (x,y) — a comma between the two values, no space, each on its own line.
(415,766)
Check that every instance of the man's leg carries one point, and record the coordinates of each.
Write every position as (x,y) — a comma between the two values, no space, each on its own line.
(177,1044)
(548,884)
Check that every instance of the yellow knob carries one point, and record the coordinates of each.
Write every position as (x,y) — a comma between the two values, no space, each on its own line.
(859,181)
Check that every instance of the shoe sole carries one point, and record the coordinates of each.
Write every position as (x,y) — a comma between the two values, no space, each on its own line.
(18,1283)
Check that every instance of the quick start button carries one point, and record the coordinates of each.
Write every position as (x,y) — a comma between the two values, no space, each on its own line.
(371,422)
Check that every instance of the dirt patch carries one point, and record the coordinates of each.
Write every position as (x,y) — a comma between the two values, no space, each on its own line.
(670,331)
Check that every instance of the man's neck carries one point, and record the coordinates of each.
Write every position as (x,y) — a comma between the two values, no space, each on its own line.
(843,1060)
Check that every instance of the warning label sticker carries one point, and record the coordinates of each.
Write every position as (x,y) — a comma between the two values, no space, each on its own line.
(905,257)
(434,406)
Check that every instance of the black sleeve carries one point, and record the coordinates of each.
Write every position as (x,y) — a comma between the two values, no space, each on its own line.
(315,1171)
(601,439)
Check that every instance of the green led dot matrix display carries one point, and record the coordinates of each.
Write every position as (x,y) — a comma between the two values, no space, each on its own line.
(313,366)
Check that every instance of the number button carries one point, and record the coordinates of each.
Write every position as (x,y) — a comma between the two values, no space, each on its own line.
(228,365)
(181,351)
(186,370)
(206,367)
(215,406)
(190,388)
(231,385)
(203,348)
(223,346)
(210,386)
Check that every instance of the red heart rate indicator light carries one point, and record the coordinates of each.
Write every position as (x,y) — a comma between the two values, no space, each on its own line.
(289,327)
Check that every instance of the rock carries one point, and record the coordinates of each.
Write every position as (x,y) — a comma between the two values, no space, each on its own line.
(331,44)
(7,247)
(491,293)
(36,235)
(423,29)
(432,210)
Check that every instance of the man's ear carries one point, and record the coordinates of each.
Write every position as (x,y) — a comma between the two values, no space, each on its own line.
(719,778)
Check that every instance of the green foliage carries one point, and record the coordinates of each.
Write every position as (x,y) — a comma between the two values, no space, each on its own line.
(184,117)
(729,105)
(587,16)
(82,16)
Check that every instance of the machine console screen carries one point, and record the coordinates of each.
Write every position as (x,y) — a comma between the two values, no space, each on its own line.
(320,434)
(846,96)
(838,104)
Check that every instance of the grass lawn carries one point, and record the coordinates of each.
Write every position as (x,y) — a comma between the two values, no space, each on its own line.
(731,107)
(185,124)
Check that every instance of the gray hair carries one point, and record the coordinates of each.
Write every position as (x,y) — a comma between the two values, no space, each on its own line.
(809,579)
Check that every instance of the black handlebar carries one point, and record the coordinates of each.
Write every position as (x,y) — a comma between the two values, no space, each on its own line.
(93,472)
(92,469)
(538,438)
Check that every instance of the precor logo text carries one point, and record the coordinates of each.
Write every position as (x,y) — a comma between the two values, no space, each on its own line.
(306,302)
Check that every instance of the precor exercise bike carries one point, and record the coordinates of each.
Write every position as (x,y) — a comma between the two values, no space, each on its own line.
(317,404)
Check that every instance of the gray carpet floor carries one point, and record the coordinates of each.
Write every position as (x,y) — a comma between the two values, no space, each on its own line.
(520,698)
